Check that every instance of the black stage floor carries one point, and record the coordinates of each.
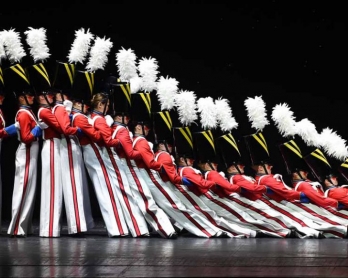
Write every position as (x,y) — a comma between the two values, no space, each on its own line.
(96,255)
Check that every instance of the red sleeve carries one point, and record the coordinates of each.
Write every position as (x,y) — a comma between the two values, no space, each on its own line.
(88,130)
(221,181)
(171,173)
(48,118)
(26,124)
(197,179)
(340,194)
(2,121)
(64,121)
(3,133)
(242,182)
(105,132)
(316,197)
(279,188)
(127,144)
(147,155)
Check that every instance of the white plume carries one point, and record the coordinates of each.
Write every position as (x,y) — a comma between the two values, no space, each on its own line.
(99,54)
(36,39)
(185,101)
(284,120)
(80,47)
(307,131)
(207,112)
(13,47)
(256,109)
(224,116)
(126,64)
(135,84)
(2,48)
(148,72)
(333,144)
(167,88)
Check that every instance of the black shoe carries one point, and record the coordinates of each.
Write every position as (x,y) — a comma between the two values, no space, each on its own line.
(260,234)
(78,235)
(293,233)
(173,236)
(221,235)
(147,235)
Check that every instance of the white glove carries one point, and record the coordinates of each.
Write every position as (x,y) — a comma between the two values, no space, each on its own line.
(68,105)
(17,125)
(109,120)
(222,174)
(42,124)
(234,194)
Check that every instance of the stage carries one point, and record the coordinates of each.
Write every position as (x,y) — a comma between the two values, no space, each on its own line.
(96,255)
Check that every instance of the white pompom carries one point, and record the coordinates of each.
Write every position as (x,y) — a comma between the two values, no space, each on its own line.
(13,46)
(148,70)
(99,54)
(126,64)
(80,47)
(167,89)
(224,116)
(36,39)
(256,109)
(284,120)
(333,144)
(185,103)
(207,111)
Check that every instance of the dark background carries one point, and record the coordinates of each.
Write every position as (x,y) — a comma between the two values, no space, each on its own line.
(285,51)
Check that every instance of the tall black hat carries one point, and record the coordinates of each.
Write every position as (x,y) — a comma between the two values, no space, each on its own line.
(343,170)
(2,84)
(39,78)
(183,142)
(292,156)
(120,103)
(228,150)
(204,146)
(162,127)
(64,77)
(83,86)
(319,165)
(16,80)
(141,108)
(257,147)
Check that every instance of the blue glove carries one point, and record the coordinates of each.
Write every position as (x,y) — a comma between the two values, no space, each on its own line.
(341,206)
(79,131)
(269,191)
(11,130)
(36,131)
(186,182)
(304,198)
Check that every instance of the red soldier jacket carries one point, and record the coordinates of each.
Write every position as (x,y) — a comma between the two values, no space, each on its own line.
(280,191)
(200,185)
(169,166)
(90,134)
(63,120)
(147,160)
(52,129)
(314,191)
(99,123)
(249,187)
(27,121)
(339,193)
(3,133)
(125,148)
(222,187)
